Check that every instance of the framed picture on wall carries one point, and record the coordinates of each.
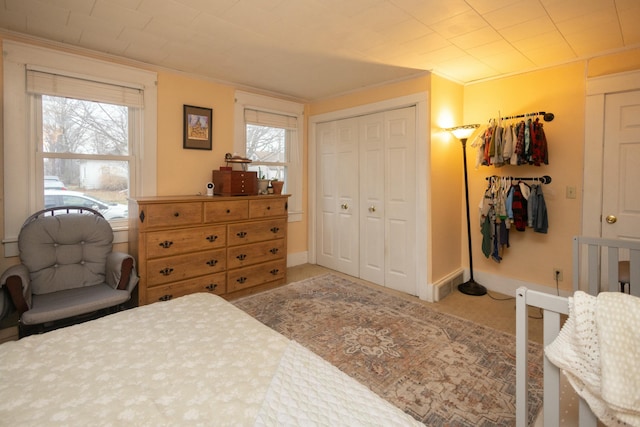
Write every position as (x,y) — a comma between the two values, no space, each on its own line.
(197,127)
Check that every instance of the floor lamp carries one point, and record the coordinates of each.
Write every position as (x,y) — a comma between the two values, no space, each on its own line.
(470,287)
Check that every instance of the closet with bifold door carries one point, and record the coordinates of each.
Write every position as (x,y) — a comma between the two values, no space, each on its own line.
(366,197)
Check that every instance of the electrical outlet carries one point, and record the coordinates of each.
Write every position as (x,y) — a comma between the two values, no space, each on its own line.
(557,274)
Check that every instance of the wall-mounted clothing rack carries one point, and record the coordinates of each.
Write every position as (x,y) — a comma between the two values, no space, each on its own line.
(547,117)
(545,179)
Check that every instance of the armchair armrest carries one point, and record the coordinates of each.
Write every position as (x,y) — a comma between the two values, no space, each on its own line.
(16,279)
(121,271)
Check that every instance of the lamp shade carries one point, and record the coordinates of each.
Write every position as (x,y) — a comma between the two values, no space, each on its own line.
(463,132)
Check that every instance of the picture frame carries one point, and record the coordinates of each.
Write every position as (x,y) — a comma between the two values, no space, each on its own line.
(198,127)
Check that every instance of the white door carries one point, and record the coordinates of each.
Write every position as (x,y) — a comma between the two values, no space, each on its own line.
(621,166)
(372,198)
(400,200)
(366,219)
(337,196)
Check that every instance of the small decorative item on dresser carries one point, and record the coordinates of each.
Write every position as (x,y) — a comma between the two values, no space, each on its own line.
(277,186)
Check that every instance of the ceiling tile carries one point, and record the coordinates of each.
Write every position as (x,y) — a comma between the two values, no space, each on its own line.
(80,6)
(533,28)
(433,11)
(97,41)
(49,29)
(516,13)
(118,15)
(476,38)
(562,10)
(84,22)
(13,20)
(460,24)
(168,11)
(467,68)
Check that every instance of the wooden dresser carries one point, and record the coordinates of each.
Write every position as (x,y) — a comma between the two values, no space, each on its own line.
(230,246)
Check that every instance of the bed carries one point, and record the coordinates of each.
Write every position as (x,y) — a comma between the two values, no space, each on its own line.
(596,348)
(195,360)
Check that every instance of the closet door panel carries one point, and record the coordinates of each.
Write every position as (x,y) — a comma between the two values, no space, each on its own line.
(372,195)
(337,246)
(326,199)
(400,200)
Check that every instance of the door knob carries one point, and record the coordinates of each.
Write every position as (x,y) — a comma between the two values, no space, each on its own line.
(372,208)
(611,219)
(344,206)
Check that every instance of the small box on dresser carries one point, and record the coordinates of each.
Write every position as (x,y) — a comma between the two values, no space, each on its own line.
(235,183)
(230,246)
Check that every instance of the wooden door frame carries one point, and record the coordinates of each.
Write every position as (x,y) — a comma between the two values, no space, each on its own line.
(596,92)
(420,102)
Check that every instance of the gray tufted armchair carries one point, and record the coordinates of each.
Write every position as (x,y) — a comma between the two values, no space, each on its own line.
(67,269)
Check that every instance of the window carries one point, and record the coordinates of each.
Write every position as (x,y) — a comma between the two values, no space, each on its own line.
(91,131)
(269,133)
(86,146)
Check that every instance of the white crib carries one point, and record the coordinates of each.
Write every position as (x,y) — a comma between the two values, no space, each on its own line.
(553,307)
(597,267)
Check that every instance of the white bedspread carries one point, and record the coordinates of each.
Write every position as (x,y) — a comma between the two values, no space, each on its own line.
(196,360)
(598,349)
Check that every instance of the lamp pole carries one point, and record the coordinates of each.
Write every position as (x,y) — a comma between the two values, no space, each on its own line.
(470,287)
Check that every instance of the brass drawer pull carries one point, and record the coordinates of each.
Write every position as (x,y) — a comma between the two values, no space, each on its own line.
(212,238)
(274,230)
(241,279)
(165,297)
(242,257)
(166,271)
(241,234)
(166,244)
(274,271)
(274,250)
(212,262)
(211,287)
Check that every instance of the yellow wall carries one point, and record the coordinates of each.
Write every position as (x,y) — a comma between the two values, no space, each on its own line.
(617,63)
(446,179)
(185,171)
(561,90)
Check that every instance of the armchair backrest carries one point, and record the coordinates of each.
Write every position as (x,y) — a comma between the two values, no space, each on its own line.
(65,251)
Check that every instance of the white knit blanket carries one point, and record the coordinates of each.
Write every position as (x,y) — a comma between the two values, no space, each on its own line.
(598,349)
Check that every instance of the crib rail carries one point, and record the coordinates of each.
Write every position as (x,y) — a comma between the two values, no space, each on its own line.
(596,264)
(553,307)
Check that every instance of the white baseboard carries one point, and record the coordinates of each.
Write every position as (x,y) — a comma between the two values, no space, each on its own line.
(508,285)
(446,285)
(298,258)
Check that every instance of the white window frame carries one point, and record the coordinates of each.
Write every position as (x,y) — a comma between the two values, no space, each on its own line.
(245,100)
(21,184)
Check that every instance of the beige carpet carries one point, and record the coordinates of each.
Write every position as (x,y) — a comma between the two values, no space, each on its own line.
(441,369)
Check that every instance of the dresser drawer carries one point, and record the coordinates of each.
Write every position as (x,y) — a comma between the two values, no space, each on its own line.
(171,215)
(257,231)
(172,242)
(180,267)
(268,207)
(240,256)
(235,210)
(214,283)
(248,277)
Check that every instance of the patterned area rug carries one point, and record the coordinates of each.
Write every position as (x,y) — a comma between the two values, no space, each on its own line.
(441,369)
